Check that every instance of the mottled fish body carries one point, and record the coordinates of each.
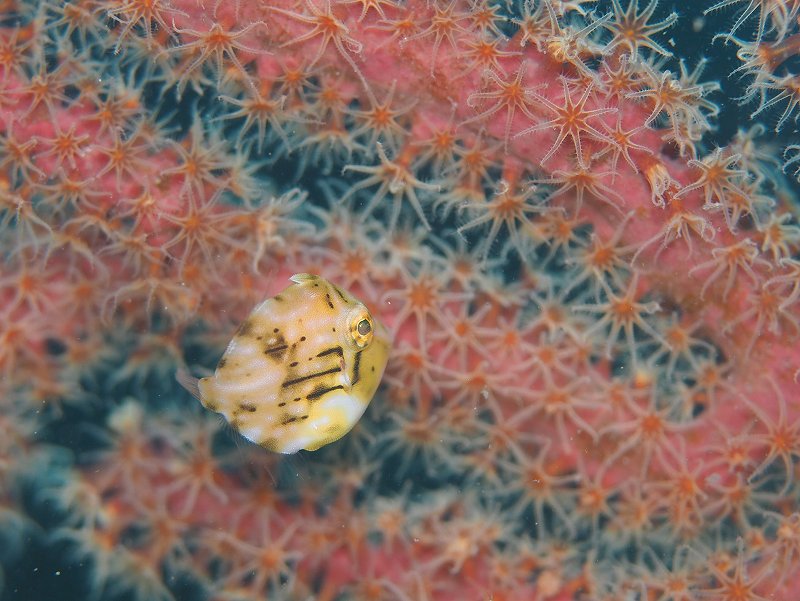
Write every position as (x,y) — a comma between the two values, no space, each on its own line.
(301,370)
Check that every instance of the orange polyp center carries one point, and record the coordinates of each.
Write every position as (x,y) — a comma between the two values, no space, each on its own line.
(782,441)
(443,141)
(422,295)
(677,338)
(328,24)
(592,500)
(354,263)
(271,559)
(686,487)
(462,328)
(415,361)
(485,50)
(555,401)
(217,38)
(623,310)
(602,257)
(652,426)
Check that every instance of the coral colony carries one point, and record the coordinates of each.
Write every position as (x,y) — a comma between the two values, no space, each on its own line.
(593,387)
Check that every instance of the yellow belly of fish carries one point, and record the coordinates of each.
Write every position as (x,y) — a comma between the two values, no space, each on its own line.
(299,423)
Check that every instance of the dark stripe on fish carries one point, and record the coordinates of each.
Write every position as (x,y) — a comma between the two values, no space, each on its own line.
(332,370)
(275,349)
(245,329)
(356,367)
(290,420)
(323,391)
(331,351)
(339,292)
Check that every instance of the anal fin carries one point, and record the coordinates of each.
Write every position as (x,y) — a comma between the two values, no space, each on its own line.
(189,382)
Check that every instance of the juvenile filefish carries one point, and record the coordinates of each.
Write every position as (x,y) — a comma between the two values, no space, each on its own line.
(301,370)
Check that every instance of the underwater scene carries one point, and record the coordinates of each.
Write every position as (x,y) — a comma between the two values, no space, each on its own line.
(399,300)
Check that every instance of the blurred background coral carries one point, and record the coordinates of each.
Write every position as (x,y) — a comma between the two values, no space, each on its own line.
(582,234)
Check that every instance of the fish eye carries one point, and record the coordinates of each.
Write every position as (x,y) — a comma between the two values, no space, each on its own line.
(361,329)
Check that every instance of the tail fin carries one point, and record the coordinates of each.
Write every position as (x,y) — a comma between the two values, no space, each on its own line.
(189,382)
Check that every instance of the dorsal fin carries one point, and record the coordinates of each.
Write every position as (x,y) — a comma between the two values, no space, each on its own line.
(299,278)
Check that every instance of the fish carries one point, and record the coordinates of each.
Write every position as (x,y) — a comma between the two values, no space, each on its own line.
(300,370)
